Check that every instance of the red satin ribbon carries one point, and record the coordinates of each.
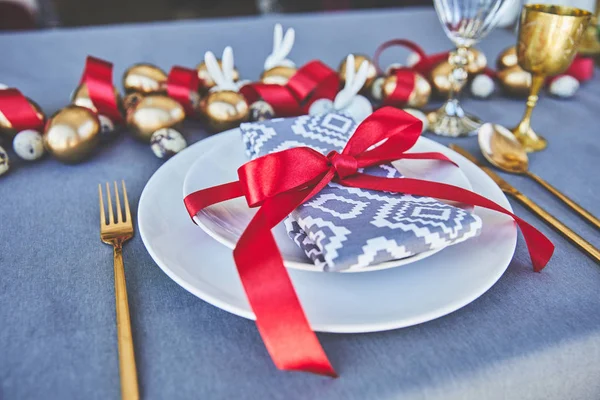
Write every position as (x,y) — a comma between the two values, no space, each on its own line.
(405,85)
(18,111)
(280,182)
(97,76)
(313,81)
(182,83)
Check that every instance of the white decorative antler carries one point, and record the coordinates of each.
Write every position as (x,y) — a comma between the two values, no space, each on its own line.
(223,76)
(354,83)
(282,45)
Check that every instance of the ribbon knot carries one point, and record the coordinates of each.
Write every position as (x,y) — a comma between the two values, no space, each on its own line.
(343,164)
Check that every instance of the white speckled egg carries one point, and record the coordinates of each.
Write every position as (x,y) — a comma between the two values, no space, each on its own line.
(482,86)
(4,165)
(261,110)
(565,86)
(28,145)
(167,142)
(107,127)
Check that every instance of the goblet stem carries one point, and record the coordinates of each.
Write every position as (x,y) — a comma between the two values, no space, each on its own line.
(523,132)
(451,119)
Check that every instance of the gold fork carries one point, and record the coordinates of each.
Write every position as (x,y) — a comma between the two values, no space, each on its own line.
(115,233)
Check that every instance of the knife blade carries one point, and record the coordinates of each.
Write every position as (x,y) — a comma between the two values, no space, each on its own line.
(548,218)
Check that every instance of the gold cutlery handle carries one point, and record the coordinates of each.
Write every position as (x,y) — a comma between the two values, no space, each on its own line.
(127,370)
(576,207)
(559,226)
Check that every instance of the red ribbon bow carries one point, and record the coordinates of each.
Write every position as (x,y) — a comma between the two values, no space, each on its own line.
(18,111)
(97,76)
(280,182)
(313,81)
(182,84)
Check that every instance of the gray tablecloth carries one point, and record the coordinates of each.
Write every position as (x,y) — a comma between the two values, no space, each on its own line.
(532,336)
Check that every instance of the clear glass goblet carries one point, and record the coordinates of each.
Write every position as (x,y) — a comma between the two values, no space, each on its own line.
(465,22)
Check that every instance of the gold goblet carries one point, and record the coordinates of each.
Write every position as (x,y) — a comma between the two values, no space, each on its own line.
(548,40)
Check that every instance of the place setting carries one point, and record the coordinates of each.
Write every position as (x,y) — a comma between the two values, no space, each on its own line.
(336,200)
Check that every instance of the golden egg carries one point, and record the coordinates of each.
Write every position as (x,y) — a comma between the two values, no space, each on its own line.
(278,75)
(6,126)
(81,98)
(418,98)
(206,81)
(440,78)
(515,81)
(508,58)
(131,100)
(144,78)
(224,110)
(152,113)
(477,62)
(72,133)
(358,60)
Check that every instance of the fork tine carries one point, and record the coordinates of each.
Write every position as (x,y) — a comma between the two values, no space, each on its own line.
(111,217)
(102,215)
(119,212)
(126,202)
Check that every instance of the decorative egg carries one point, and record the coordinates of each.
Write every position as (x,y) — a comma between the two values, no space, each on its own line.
(261,110)
(4,163)
(564,86)
(206,82)
(515,81)
(508,58)
(377,88)
(81,97)
(279,75)
(107,127)
(167,142)
(440,78)
(224,110)
(477,61)
(6,126)
(482,86)
(72,133)
(131,100)
(145,79)
(418,97)
(420,115)
(28,145)
(358,60)
(152,113)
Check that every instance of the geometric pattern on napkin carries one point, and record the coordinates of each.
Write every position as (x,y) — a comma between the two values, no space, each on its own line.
(350,228)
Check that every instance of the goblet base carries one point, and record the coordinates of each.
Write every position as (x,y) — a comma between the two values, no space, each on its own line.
(451,120)
(530,140)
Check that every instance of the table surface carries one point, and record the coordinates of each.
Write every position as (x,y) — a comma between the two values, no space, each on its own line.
(532,336)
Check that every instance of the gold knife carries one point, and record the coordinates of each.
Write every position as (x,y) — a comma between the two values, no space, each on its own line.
(510,190)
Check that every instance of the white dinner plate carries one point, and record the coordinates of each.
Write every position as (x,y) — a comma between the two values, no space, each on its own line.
(226,221)
(381,300)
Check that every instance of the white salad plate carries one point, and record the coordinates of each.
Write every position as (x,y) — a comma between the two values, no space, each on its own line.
(226,221)
(333,302)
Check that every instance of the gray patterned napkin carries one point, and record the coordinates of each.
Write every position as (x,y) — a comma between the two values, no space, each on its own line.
(347,228)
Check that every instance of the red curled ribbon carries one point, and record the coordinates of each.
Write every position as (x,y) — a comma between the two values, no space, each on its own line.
(405,85)
(97,76)
(182,84)
(313,81)
(280,182)
(18,111)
